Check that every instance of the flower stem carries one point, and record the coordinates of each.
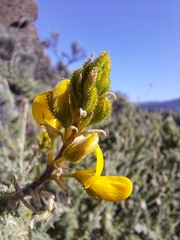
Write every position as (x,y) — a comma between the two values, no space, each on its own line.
(26,190)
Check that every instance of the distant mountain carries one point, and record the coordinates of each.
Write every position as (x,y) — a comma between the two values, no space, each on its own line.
(173,105)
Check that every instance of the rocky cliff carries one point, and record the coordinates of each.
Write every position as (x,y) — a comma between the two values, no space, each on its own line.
(19,37)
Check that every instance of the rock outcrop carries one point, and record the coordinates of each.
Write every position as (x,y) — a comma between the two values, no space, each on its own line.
(18,33)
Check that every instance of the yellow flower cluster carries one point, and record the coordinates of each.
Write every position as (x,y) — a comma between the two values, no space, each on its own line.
(66,111)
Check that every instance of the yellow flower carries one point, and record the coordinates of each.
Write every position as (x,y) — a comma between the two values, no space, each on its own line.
(52,108)
(108,188)
(41,112)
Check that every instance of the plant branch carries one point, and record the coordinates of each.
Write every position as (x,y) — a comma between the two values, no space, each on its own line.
(26,190)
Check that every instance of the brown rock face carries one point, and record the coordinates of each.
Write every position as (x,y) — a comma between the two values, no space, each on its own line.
(18,13)
(17,18)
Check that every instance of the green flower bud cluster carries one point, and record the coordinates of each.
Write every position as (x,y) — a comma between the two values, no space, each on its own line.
(83,100)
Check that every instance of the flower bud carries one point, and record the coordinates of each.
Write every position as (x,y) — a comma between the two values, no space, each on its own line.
(90,80)
(103,66)
(78,150)
(102,110)
(58,102)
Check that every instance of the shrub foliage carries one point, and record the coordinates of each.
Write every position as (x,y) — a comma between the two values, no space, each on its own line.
(145,146)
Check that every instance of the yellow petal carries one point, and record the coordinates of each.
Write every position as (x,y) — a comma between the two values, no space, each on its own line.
(112,188)
(100,161)
(40,109)
(88,176)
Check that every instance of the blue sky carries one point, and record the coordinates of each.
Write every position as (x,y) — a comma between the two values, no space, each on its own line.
(142,36)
